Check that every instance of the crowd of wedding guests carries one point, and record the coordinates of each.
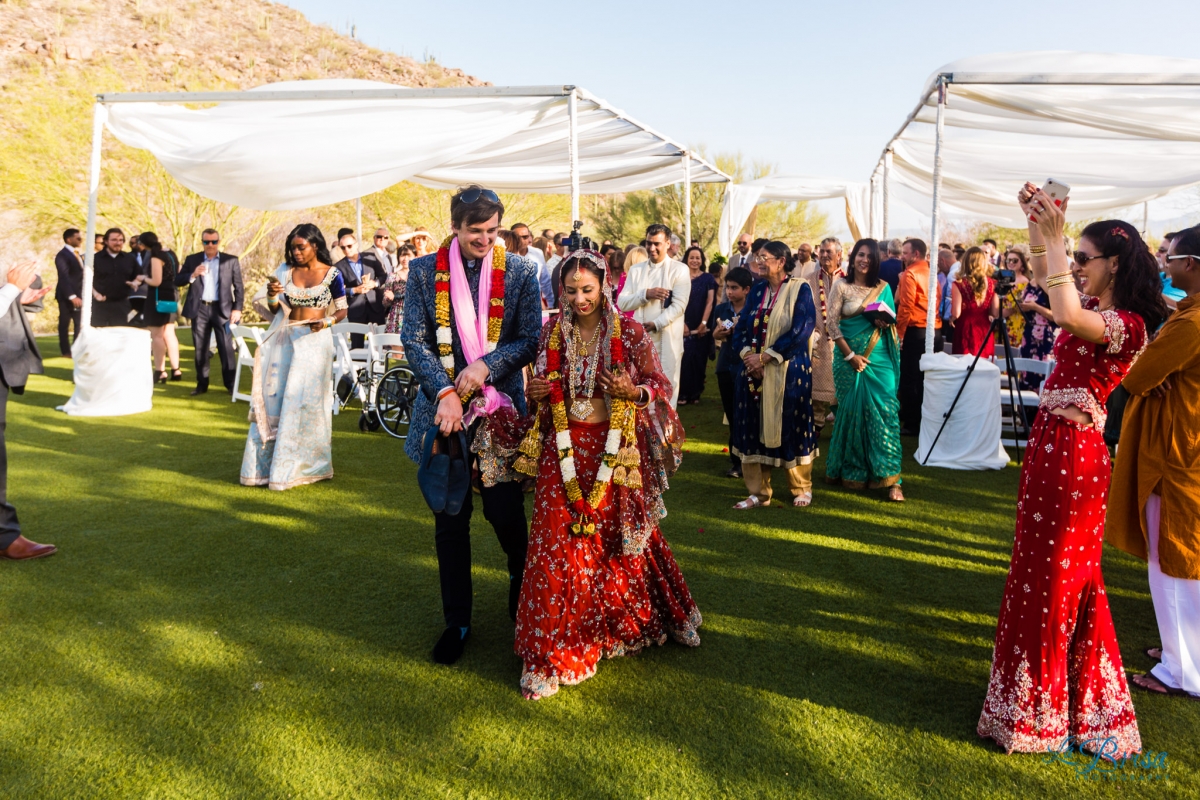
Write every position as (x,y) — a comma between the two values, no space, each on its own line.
(802,339)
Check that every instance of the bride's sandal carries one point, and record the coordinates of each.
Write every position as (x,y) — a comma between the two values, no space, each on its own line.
(750,502)
(895,495)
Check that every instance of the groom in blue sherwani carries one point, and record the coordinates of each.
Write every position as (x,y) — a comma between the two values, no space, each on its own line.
(475,216)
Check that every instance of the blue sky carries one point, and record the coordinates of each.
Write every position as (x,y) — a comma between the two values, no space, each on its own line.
(815,89)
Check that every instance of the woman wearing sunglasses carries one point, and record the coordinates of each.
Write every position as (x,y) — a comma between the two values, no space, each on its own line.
(1056,668)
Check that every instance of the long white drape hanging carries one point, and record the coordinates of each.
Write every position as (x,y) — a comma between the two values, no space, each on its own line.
(740,200)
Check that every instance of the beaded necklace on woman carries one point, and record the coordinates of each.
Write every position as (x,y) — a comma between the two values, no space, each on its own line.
(758,329)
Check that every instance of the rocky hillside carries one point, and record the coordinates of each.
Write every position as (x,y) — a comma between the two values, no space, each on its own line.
(56,54)
(184,44)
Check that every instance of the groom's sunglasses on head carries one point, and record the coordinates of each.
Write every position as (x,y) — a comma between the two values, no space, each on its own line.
(471,196)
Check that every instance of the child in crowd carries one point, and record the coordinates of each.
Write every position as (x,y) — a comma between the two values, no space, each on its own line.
(737,286)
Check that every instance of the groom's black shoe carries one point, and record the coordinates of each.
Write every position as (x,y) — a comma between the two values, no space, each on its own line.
(514,596)
(449,648)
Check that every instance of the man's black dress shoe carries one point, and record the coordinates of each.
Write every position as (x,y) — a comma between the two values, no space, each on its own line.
(449,648)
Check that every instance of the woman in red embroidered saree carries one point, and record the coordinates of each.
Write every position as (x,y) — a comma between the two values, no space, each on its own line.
(600,579)
(1056,667)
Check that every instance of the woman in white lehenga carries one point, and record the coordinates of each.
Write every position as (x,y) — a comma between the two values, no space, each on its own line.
(291,409)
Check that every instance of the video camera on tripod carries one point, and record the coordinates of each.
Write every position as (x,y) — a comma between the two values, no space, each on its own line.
(1006,281)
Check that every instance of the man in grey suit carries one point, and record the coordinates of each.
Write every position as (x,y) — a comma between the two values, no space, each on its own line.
(214,302)
(741,258)
(19,358)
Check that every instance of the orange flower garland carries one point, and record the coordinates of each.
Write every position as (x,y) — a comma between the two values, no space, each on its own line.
(619,464)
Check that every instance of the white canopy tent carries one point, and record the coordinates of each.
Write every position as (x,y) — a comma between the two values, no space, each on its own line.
(301,144)
(740,199)
(1119,129)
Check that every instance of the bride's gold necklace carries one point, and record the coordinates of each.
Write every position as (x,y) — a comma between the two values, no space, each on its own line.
(582,372)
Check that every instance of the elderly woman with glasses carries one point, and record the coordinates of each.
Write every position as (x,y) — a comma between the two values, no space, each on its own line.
(773,419)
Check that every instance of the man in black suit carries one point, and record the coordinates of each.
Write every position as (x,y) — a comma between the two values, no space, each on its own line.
(19,358)
(69,291)
(363,276)
(214,302)
(115,276)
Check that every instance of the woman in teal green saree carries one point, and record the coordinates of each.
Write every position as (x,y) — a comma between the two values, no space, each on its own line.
(865,448)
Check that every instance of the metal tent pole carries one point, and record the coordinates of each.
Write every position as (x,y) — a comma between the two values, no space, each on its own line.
(687,199)
(99,116)
(887,189)
(871,207)
(573,150)
(933,236)
(1145,218)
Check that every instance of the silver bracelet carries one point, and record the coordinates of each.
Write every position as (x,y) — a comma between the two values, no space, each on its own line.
(849,357)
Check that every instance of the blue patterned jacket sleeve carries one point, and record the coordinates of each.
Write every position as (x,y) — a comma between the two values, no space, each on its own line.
(419,332)
(741,331)
(518,344)
(804,320)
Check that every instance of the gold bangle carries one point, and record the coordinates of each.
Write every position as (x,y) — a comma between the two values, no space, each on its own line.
(1059,282)
(1064,273)
(1037,249)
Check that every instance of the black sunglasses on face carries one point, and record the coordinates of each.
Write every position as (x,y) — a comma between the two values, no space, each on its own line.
(1082,258)
(210,241)
(472,196)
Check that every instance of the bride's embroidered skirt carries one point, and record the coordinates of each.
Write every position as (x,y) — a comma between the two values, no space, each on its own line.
(583,597)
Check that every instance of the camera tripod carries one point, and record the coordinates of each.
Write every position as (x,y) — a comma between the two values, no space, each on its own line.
(1021,431)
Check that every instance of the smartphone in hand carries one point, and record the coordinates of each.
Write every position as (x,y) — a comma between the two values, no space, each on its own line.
(1057,190)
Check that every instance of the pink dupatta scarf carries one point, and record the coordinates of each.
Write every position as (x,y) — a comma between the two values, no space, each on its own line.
(471,322)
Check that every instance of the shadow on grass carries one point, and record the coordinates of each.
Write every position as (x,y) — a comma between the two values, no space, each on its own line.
(196,637)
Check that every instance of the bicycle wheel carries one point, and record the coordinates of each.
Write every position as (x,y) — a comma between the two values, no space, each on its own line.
(394,397)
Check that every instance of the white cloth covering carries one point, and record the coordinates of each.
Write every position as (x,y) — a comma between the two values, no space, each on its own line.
(971,439)
(1115,145)
(740,200)
(668,336)
(1177,608)
(112,373)
(245,153)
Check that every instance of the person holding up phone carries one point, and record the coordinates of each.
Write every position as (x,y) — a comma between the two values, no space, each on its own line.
(1056,667)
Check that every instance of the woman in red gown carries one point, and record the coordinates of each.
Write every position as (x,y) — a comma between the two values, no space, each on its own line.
(600,579)
(974,305)
(1056,668)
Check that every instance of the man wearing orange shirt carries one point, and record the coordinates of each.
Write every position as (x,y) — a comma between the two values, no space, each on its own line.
(912,307)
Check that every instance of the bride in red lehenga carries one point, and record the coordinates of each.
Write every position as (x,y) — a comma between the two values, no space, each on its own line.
(600,579)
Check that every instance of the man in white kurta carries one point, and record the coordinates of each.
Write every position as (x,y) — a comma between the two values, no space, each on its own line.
(657,292)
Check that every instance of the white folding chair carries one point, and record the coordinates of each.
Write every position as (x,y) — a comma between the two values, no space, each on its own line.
(360,354)
(1027,398)
(384,347)
(245,356)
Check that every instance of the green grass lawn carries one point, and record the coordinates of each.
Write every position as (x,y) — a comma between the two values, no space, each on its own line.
(196,638)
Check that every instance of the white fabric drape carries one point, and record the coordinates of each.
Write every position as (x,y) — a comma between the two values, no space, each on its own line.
(971,439)
(112,373)
(736,206)
(279,155)
(1115,145)
(740,200)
